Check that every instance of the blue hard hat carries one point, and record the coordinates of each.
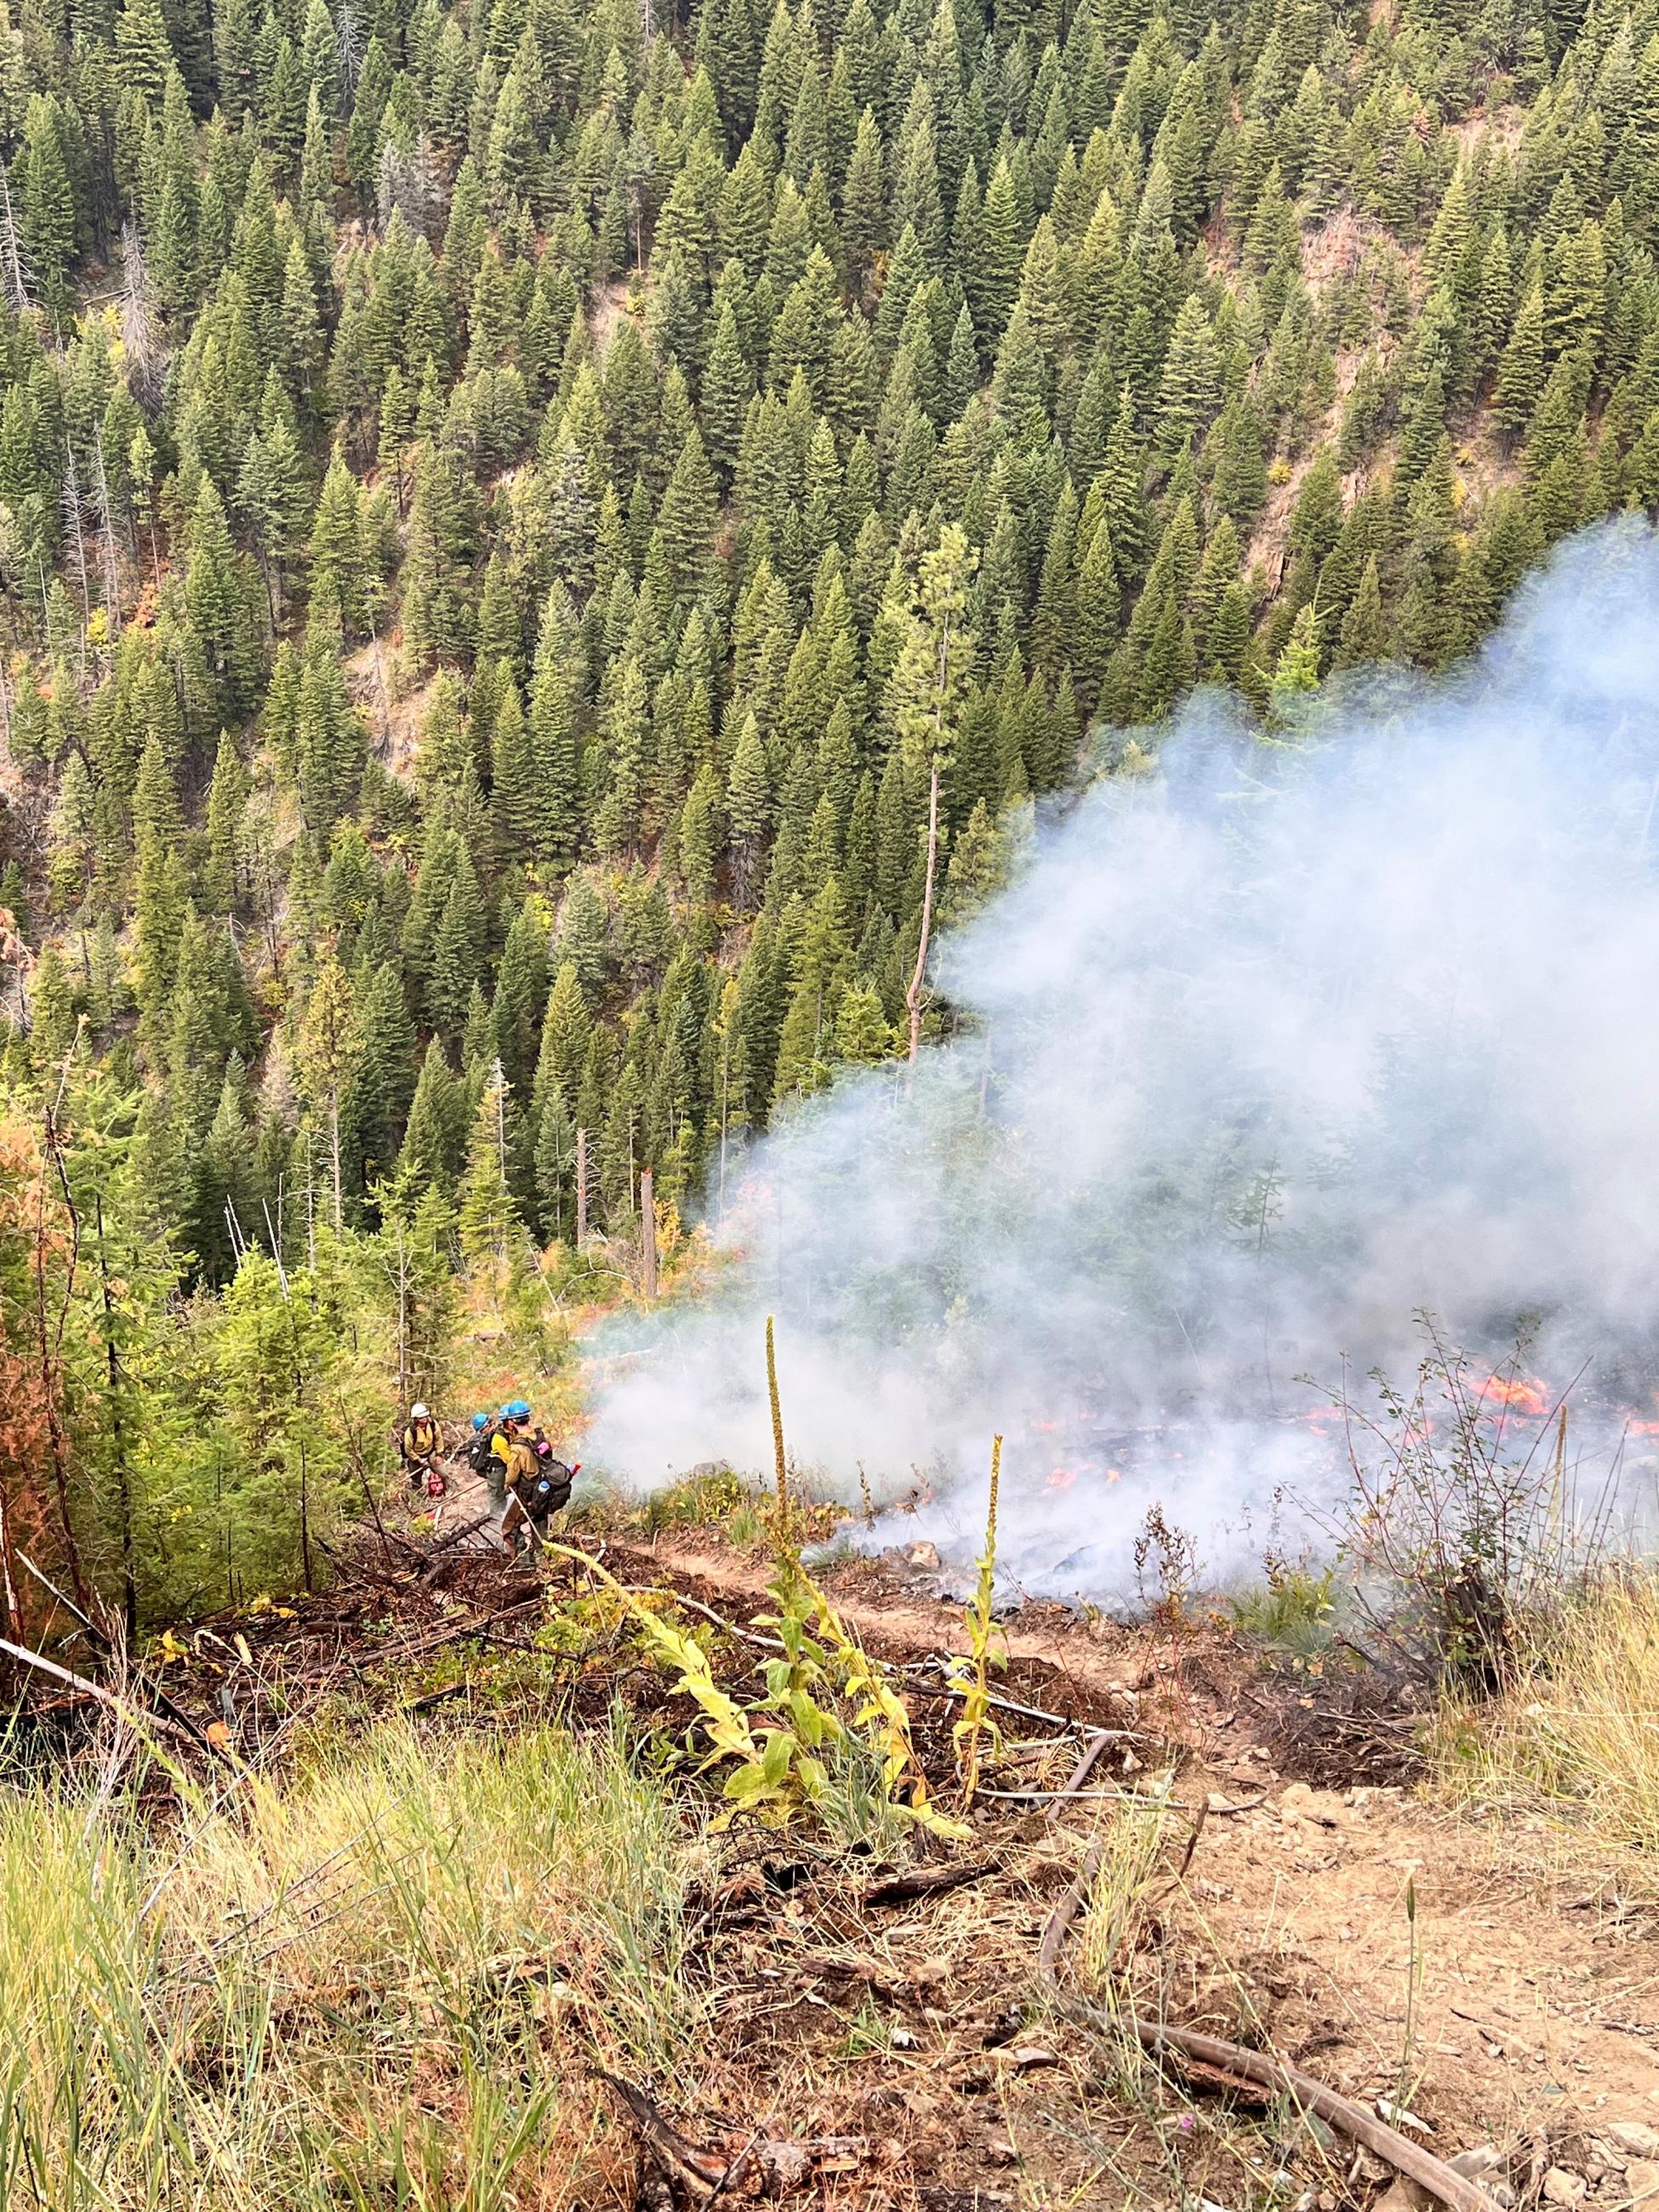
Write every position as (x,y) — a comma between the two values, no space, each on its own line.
(481,1420)
(518,1410)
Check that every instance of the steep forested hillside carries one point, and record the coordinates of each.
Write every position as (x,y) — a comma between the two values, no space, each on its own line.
(511,516)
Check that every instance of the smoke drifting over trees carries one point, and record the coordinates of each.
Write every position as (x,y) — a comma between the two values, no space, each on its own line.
(1275,1045)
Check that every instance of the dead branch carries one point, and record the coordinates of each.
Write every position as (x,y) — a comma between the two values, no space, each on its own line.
(164,1703)
(1056,1800)
(1075,1780)
(474,1625)
(1036,1713)
(1060,1921)
(1259,2068)
(455,1536)
(932,1881)
(677,2159)
(1362,2127)
(96,1690)
(778,2165)
(840,1967)
(438,1697)
(696,1605)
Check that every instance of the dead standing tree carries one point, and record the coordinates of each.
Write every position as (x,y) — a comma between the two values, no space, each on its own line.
(926,693)
(146,360)
(15,285)
(111,577)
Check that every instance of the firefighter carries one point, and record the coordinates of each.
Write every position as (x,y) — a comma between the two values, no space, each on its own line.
(513,1425)
(538,1485)
(419,1447)
(481,1452)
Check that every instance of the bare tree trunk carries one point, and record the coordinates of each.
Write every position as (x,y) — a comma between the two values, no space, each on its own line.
(138,320)
(334,1155)
(106,535)
(14,277)
(8,1584)
(351,53)
(304,1514)
(648,1234)
(726,1096)
(913,996)
(581,1189)
(403,1322)
(379,671)
(71,505)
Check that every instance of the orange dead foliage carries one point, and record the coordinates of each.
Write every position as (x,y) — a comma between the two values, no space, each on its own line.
(27,1509)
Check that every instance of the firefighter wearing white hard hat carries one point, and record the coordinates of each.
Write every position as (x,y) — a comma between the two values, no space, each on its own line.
(419,1447)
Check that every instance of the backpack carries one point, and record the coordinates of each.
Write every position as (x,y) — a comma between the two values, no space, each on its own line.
(435,1485)
(479,1452)
(551,1489)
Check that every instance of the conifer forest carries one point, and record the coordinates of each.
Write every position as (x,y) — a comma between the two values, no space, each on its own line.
(598,599)
(548,550)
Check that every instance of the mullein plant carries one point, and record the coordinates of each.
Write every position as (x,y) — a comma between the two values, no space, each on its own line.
(825,1699)
(976,1733)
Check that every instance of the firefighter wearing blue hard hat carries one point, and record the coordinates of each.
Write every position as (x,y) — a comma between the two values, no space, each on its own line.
(480,1455)
(510,1426)
(539,1487)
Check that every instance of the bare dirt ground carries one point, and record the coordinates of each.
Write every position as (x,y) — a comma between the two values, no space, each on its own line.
(1533,1977)
(1491,1976)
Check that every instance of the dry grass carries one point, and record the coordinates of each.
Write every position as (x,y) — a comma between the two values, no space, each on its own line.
(1578,1732)
(368,1986)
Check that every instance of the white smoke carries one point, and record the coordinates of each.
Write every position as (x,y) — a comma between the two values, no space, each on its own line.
(1264,1052)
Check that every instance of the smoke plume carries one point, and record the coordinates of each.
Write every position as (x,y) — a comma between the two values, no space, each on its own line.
(1263,1052)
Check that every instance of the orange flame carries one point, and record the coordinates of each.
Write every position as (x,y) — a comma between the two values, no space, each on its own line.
(1517,1393)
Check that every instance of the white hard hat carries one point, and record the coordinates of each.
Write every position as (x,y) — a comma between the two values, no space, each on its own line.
(420,1413)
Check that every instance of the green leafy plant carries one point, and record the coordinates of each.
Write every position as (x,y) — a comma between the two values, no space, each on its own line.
(1292,1612)
(825,1699)
(697,1501)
